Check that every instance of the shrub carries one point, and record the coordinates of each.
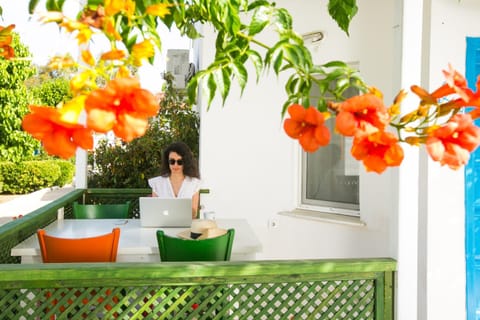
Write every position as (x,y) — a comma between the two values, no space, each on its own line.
(51,92)
(67,171)
(29,176)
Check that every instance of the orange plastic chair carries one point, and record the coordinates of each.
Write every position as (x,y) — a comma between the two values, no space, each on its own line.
(102,248)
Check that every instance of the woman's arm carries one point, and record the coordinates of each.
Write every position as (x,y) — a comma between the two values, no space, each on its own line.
(195,203)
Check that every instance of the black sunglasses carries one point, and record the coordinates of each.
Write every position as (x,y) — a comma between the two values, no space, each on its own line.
(172,162)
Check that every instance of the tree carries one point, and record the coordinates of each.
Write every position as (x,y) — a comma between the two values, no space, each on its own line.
(52,91)
(15,144)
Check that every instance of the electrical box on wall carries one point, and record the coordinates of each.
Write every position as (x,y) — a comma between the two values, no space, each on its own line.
(178,65)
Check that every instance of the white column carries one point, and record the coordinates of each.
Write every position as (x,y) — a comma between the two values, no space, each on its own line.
(409,42)
(81,155)
(442,197)
(81,161)
(81,169)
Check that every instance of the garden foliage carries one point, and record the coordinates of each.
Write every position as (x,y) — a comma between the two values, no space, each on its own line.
(15,144)
(28,176)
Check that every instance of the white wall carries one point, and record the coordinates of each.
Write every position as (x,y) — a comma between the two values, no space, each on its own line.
(414,214)
(450,23)
(249,163)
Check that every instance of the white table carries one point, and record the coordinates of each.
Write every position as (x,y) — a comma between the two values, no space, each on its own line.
(137,244)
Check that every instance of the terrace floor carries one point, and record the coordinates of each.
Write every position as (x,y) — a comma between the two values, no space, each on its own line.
(11,206)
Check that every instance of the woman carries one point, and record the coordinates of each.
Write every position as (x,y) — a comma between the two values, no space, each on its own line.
(179,176)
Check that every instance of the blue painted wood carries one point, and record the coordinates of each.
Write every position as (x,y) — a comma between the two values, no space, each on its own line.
(472,198)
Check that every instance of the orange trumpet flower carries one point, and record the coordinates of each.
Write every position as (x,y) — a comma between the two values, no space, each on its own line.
(59,137)
(6,50)
(361,114)
(452,143)
(308,126)
(377,150)
(455,83)
(122,106)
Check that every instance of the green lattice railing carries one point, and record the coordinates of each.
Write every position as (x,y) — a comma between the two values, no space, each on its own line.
(305,289)
(106,196)
(309,289)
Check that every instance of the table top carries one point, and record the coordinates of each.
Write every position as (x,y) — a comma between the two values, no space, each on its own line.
(134,239)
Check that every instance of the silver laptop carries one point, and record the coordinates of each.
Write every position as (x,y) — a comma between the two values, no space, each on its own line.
(158,212)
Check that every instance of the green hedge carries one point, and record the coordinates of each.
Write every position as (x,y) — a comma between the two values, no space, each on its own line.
(67,171)
(29,176)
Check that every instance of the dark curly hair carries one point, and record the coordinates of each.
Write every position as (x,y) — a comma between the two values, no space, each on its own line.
(190,167)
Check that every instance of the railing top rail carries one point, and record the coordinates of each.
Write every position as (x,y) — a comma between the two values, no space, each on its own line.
(182,270)
(117,191)
(66,199)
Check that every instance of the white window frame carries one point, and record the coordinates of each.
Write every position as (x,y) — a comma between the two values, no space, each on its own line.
(323,207)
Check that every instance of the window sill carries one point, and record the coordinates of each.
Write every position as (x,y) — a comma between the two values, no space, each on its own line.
(324,217)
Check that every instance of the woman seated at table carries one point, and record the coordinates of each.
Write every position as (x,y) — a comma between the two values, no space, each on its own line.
(179,175)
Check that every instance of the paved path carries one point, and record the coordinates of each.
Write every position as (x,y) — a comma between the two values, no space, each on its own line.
(24,204)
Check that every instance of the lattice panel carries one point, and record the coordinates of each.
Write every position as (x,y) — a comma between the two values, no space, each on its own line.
(348,299)
(112,198)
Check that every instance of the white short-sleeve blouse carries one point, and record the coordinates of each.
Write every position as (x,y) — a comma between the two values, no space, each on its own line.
(163,188)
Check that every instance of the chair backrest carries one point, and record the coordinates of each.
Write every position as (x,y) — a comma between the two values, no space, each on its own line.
(102,248)
(212,249)
(101,211)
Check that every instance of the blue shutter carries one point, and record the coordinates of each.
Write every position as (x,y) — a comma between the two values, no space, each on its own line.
(472,198)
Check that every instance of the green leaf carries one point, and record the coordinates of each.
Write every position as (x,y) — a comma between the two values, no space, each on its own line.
(32,5)
(322,105)
(190,31)
(257,61)
(232,18)
(292,54)
(299,56)
(343,84)
(211,87)
(335,64)
(241,74)
(304,89)
(271,51)
(54,5)
(256,4)
(222,78)
(291,85)
(342,11)
(192,88)
(282,19)
(259,22)
(277,63)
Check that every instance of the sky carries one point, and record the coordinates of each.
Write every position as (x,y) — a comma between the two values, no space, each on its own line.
(46,41)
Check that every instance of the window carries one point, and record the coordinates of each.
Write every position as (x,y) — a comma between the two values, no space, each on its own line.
(330,176)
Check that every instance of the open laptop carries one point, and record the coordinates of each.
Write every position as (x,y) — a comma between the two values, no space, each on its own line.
(158,212)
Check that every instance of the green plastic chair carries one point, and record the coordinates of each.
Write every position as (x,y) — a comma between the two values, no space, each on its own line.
(212,249)
(101,211)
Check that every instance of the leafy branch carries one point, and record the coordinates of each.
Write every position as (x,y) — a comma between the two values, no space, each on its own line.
(237,46)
